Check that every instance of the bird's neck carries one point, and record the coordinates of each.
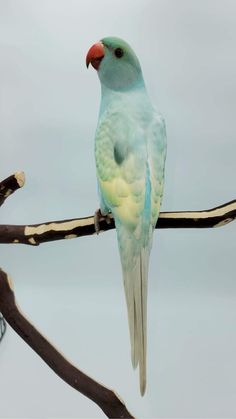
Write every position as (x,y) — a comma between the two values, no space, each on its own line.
(127,98)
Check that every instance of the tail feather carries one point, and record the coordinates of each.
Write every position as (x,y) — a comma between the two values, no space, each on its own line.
(135,284)
(134,252)
(129,281)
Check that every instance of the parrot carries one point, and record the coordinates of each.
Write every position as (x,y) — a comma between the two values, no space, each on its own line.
(130,154)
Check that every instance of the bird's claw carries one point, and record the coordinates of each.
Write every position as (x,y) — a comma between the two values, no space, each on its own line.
(98,216)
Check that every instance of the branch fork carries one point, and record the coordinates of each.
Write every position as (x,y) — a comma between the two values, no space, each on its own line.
(35,234)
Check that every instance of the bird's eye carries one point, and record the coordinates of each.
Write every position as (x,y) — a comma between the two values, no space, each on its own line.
(119,52)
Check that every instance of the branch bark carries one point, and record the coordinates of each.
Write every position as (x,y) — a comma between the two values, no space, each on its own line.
(10,185)
(36,234)
(106,399)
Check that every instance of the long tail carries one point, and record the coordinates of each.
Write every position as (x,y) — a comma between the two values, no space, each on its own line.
(135,283)
(135,249)
(135,260)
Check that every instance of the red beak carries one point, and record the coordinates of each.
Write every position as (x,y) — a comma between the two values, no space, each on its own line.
(95,55)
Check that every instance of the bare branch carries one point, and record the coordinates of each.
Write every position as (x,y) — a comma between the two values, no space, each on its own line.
(106,399)
(68,229)
(10,185)
(36,234)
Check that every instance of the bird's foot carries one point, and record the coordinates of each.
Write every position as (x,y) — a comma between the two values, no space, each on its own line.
(98,216)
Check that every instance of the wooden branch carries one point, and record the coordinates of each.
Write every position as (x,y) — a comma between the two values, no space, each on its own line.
(10,185)
(68,229)
(106,399)
(7,187)
(36,234)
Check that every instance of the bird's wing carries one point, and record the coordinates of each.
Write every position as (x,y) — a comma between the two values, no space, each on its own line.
(156,160)
(121,166)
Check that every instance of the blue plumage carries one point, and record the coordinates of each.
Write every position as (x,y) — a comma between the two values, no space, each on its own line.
(130,151)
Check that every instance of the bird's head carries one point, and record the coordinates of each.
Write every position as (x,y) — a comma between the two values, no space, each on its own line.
(116,63)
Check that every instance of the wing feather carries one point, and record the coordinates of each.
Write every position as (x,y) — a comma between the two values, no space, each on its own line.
(120,161)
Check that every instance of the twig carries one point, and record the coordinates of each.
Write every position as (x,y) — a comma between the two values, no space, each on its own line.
(36,234)
(10,185)
(106,399)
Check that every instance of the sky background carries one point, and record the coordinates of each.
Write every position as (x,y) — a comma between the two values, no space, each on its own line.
(72,289)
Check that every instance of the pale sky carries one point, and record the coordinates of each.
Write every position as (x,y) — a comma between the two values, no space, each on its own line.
(72,290)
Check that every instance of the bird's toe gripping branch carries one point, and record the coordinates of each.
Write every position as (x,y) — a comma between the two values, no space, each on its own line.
(98,217)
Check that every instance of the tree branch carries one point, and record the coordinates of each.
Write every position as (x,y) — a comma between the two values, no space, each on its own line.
(10,185)
(36,234)
(106,399)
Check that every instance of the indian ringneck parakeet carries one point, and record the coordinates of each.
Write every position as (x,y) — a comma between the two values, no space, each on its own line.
(130,152)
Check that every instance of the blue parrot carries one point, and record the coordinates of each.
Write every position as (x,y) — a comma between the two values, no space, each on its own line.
(130,153)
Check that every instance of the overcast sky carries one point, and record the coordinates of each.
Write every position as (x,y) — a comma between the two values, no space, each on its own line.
(72,290)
